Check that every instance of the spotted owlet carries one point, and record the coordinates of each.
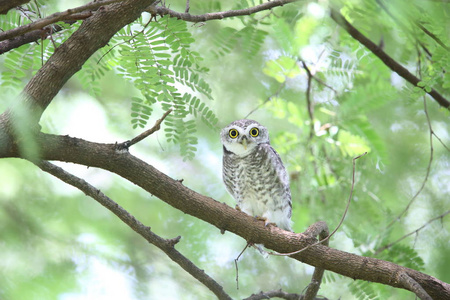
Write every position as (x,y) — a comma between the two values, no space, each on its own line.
(254,174)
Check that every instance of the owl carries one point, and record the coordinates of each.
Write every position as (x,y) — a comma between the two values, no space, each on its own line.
(254,174)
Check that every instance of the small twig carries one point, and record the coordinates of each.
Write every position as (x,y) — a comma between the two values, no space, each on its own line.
(236,264)
(166,245)
(146,133)
(403,27)
(432,35)
(187,7)
(381,249)
(430,128)
(413,286)
(309,104)
(340,223)
(267,100)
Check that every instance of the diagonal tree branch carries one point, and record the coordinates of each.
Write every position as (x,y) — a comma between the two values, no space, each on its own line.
(167,246)
(385,58)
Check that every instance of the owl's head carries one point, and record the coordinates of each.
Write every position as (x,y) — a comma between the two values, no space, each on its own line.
(242,136)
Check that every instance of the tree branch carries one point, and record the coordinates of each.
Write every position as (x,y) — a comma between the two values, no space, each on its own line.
(278,294)
(167,246)
(35,35)
(146,133)
(386,59)
(414,286)
(161,10)
(319,229)
(56,17)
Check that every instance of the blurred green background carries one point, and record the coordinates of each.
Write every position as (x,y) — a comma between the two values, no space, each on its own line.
(56,243)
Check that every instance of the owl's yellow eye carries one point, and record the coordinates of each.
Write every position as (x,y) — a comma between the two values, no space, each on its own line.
(233,133)
(254,132)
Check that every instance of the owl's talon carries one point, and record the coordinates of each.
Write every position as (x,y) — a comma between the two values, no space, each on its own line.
(237,207)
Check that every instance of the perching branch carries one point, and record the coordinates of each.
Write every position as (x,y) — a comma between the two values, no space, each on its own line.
(166,245)
(385,58)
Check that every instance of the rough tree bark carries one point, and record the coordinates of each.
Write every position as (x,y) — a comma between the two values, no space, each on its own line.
(94,33)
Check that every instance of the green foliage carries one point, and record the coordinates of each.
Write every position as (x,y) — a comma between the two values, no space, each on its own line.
(363,290)
(156,59)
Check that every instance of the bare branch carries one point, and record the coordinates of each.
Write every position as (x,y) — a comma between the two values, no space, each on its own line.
(413,286)
(386,59)
(309,103)
(432,35)
(165,245)
(160,10)
(278,91)
(440,217)
(146,133)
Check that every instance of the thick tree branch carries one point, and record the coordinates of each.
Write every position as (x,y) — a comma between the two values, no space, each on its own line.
(386,59)
(106,156)
(279,294)
(165,245)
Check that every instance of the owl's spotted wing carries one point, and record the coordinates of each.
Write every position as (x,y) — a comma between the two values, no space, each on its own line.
(280,208)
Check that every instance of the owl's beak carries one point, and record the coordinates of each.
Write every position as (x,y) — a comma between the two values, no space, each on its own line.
(244,143)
